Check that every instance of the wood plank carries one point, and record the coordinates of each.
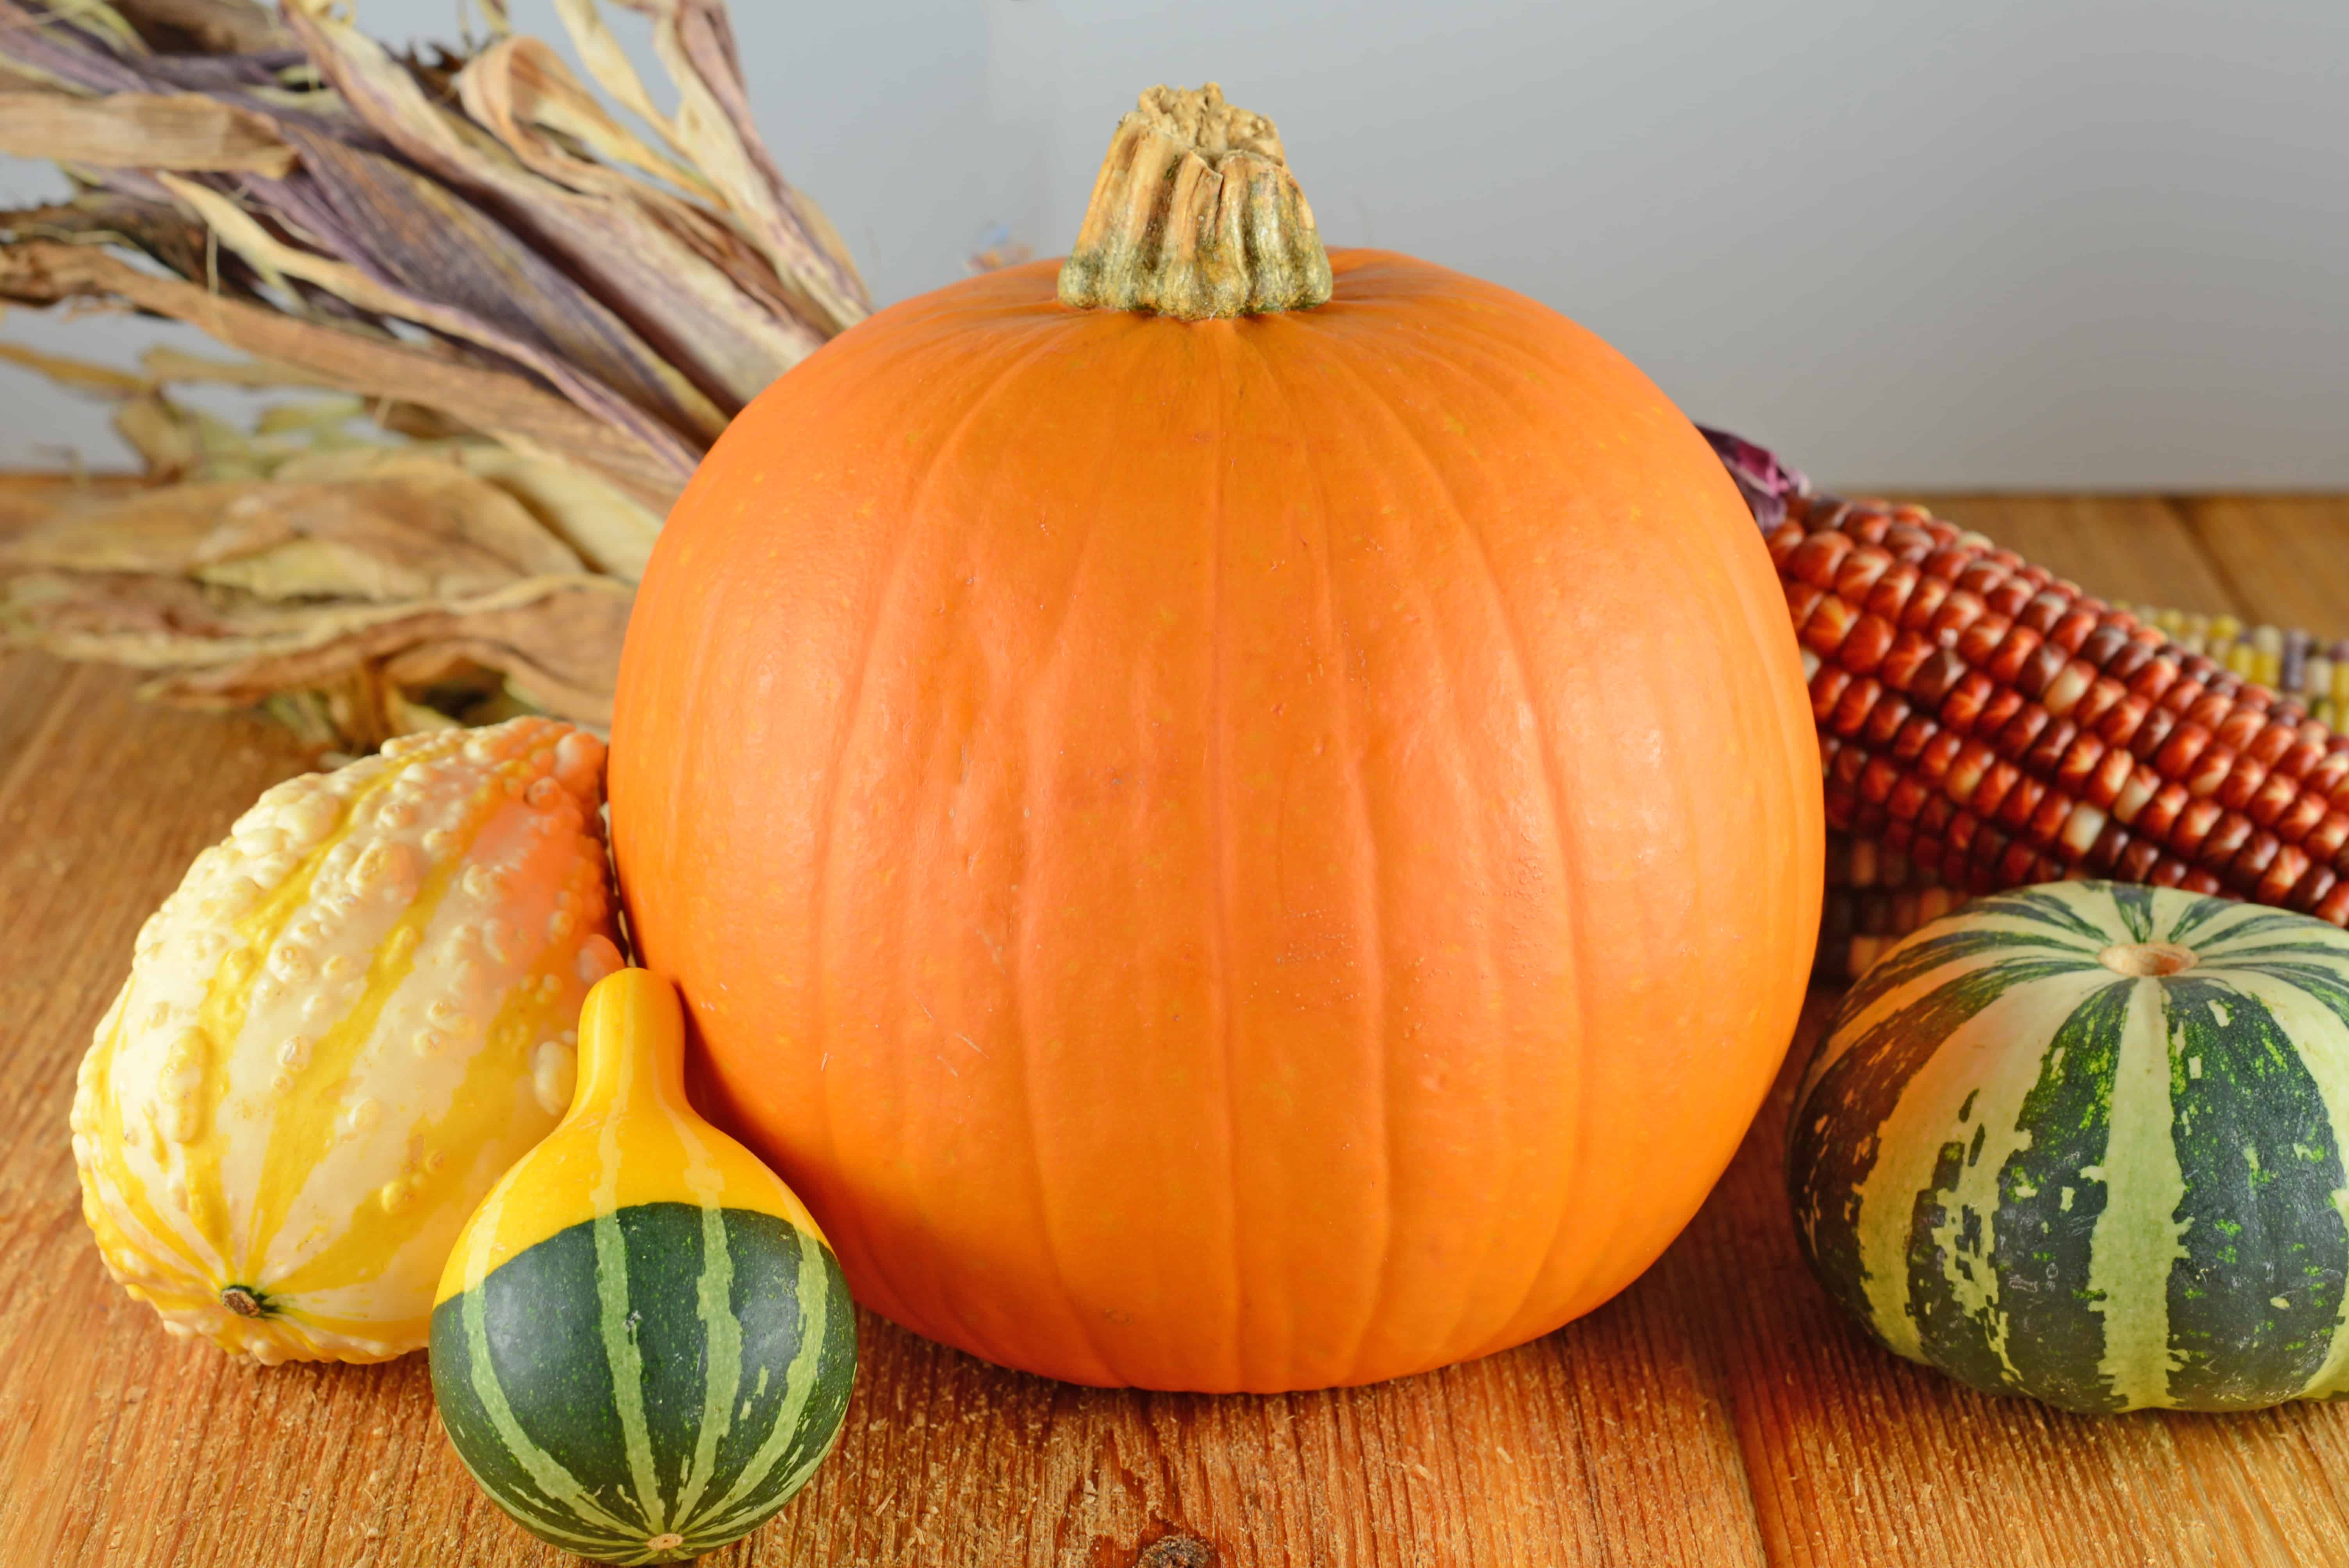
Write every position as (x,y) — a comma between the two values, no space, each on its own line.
(33,688)
(2287,556)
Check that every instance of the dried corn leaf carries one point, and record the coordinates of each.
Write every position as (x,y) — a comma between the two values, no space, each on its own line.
(462,504)
(166,367)
(428,238)
(99,19)
(521,81)
(611,533)
(720,306)
(317,418)
(16,78)
(29,499)
(558,639)
(449,239)
(80,374)
(143,131)
(497,403)
(632,261)
(133,618)
(156,530)
(390,526)
(524,92)
(713,129)
(558,644)
(422,534)
(159,622)
(203,26)
(160,229)
(165,364)
(88,46)
(58,44)
(168,443)
(241,230)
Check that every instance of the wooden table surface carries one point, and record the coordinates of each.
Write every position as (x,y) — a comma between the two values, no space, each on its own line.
(1717,1413)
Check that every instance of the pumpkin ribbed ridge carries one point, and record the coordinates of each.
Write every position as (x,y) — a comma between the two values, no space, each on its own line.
(2085,1143)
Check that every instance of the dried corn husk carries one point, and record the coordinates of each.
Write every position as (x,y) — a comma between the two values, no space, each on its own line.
(470,250)
(426,582)
(177,130)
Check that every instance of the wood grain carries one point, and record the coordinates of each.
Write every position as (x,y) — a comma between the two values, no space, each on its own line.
(1719,1412)
(2281,555)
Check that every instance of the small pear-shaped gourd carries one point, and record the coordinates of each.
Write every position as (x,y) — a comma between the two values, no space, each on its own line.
(642,1345)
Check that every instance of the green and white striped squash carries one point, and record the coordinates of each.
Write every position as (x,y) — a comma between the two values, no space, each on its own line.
(643,1345)
(2085,1143)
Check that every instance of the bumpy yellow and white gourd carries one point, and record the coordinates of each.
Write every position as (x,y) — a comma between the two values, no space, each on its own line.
(352,1015)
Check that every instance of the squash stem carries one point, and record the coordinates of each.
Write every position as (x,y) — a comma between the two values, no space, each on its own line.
(2147,960)
(631,1043)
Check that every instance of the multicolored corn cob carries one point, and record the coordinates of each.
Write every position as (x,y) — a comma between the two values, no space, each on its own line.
(1876,895)
(1984,723)
(2288,662)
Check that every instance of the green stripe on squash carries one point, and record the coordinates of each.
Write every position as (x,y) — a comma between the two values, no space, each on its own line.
(662,1371)
(2084,1142)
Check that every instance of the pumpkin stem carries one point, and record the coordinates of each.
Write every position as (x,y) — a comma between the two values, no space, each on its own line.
(1196,216)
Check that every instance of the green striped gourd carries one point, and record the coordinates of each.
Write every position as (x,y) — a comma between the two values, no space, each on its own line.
(642,1344)
(347,1022)
(2084,1142)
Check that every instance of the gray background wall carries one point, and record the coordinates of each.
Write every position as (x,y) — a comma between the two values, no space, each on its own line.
(2092,244)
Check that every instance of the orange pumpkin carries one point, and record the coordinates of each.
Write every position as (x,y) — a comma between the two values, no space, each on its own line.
(1256,852)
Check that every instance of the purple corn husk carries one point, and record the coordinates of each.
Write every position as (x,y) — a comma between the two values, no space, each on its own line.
(1764,478)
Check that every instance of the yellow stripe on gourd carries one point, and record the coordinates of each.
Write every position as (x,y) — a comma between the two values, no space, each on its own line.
(228,996)
(721,1334)
(816,1306)
(219,1020)
(2136,1239)
(632,1087)
(301,1135)
(374,1235)
(111,1164)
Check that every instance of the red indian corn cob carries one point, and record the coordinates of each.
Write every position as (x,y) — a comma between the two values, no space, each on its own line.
(1989,725)
(1876,895)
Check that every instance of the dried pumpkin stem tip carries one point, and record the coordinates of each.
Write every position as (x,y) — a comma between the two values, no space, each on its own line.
(2147,960)
(244,1302)
(1196,216)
